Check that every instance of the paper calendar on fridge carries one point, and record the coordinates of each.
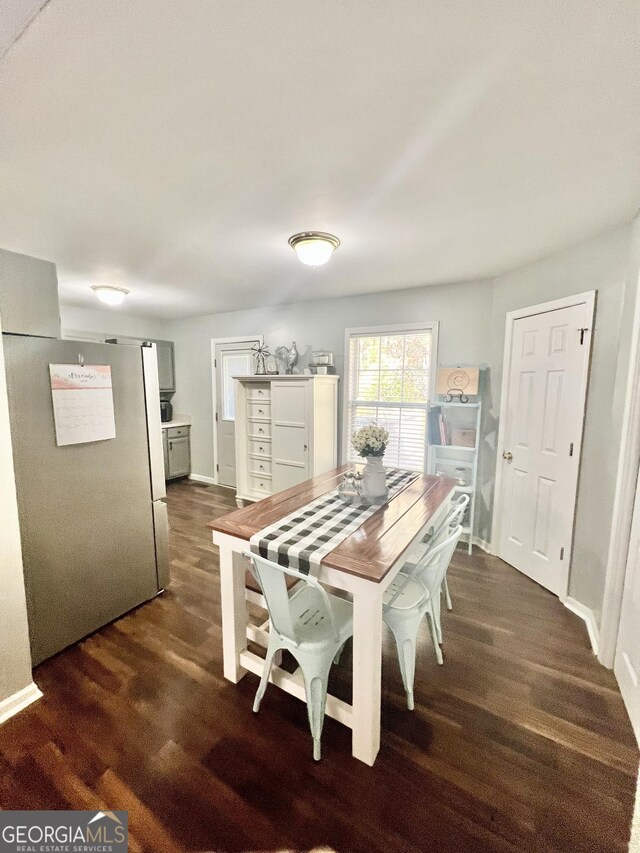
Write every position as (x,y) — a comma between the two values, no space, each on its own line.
(82,403)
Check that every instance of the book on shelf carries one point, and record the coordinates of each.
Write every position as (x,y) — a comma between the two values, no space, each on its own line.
(443,429)
(442,434)
(434,425)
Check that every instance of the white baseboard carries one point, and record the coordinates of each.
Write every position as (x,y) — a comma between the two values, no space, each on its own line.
(482,544)
(201,478)
(13,704)
(587,614)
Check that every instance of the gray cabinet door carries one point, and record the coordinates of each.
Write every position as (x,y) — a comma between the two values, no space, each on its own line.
(166,367)
(179,456)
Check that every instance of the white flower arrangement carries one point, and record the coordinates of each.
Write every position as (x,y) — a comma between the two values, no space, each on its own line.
(370,440)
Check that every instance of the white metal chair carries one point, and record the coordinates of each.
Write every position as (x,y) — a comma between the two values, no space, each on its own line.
(409,598)
(311,624)
(453,519)
(450,522)
(420,556)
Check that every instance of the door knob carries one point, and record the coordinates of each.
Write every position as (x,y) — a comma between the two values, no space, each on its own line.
(506,454)
(305,446)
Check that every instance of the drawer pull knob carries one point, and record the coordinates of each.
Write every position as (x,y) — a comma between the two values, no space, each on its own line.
(260,411)
(260,429)
(262,467)
(261,449)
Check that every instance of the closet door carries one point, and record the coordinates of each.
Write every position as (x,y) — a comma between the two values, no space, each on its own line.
(290,426)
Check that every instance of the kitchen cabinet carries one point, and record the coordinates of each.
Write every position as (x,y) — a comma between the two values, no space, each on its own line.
(165,355)
(286,432)
(166,365)
(177,452)
(28,296)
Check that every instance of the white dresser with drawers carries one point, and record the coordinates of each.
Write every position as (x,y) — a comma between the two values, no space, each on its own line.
(286,432)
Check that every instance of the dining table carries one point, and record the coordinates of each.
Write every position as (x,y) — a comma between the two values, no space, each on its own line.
(362,566)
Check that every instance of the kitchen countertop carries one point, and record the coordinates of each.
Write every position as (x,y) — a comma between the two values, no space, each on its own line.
(177,421)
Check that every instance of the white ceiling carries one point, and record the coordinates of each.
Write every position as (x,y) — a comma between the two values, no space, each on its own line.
(172,148)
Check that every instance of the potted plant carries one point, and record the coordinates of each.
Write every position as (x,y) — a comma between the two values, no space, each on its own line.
(370,442)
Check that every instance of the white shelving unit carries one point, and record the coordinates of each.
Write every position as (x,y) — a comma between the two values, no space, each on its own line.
(446,458)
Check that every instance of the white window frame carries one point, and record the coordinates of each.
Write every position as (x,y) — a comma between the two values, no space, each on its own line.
(432,326)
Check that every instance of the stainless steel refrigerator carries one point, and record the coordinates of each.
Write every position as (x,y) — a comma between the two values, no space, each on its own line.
(92,518)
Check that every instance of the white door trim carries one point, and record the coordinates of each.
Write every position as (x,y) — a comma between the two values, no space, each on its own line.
(432,326)
(238,339)
(626,479)
(588,298)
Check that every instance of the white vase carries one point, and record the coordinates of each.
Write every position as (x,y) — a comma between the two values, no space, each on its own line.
(374,477)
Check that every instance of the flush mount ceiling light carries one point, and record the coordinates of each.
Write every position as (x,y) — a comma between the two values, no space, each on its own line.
(314,248)
(110,295)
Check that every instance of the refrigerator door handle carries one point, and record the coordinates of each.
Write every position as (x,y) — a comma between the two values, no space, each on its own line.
(161,530)
(154,424)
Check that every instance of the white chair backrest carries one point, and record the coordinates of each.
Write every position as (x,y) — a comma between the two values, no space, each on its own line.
(271,578)
(452,519)
(439,558)
(458,509)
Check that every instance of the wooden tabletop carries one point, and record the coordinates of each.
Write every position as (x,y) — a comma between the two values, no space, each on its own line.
(375,546)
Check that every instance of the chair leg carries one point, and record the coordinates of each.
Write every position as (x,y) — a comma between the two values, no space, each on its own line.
(447,594)
(266,672)
(434,635)
(407,658)
(436,604)
(316,689)
(405,632)
(339,653)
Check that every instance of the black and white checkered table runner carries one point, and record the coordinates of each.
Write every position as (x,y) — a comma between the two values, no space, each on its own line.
(301,539)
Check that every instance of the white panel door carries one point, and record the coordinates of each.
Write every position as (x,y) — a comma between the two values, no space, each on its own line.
(627,661)
(548,361)
(232,359)
(290,425)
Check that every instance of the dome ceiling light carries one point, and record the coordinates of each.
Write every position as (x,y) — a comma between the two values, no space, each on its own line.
(110,295)
(314,248)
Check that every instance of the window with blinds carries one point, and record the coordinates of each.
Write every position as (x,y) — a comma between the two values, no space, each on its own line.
(389,382)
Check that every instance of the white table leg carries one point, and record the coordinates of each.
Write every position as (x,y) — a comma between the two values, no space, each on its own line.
(234,607)
(367,672)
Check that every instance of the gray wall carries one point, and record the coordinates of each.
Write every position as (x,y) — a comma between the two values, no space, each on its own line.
(602,264)
(462,309)
(15,653)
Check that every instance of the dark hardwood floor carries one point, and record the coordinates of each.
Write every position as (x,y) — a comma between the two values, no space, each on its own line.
(519,742)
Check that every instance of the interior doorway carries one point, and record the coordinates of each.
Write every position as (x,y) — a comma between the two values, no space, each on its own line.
(230,357)
(546,366)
